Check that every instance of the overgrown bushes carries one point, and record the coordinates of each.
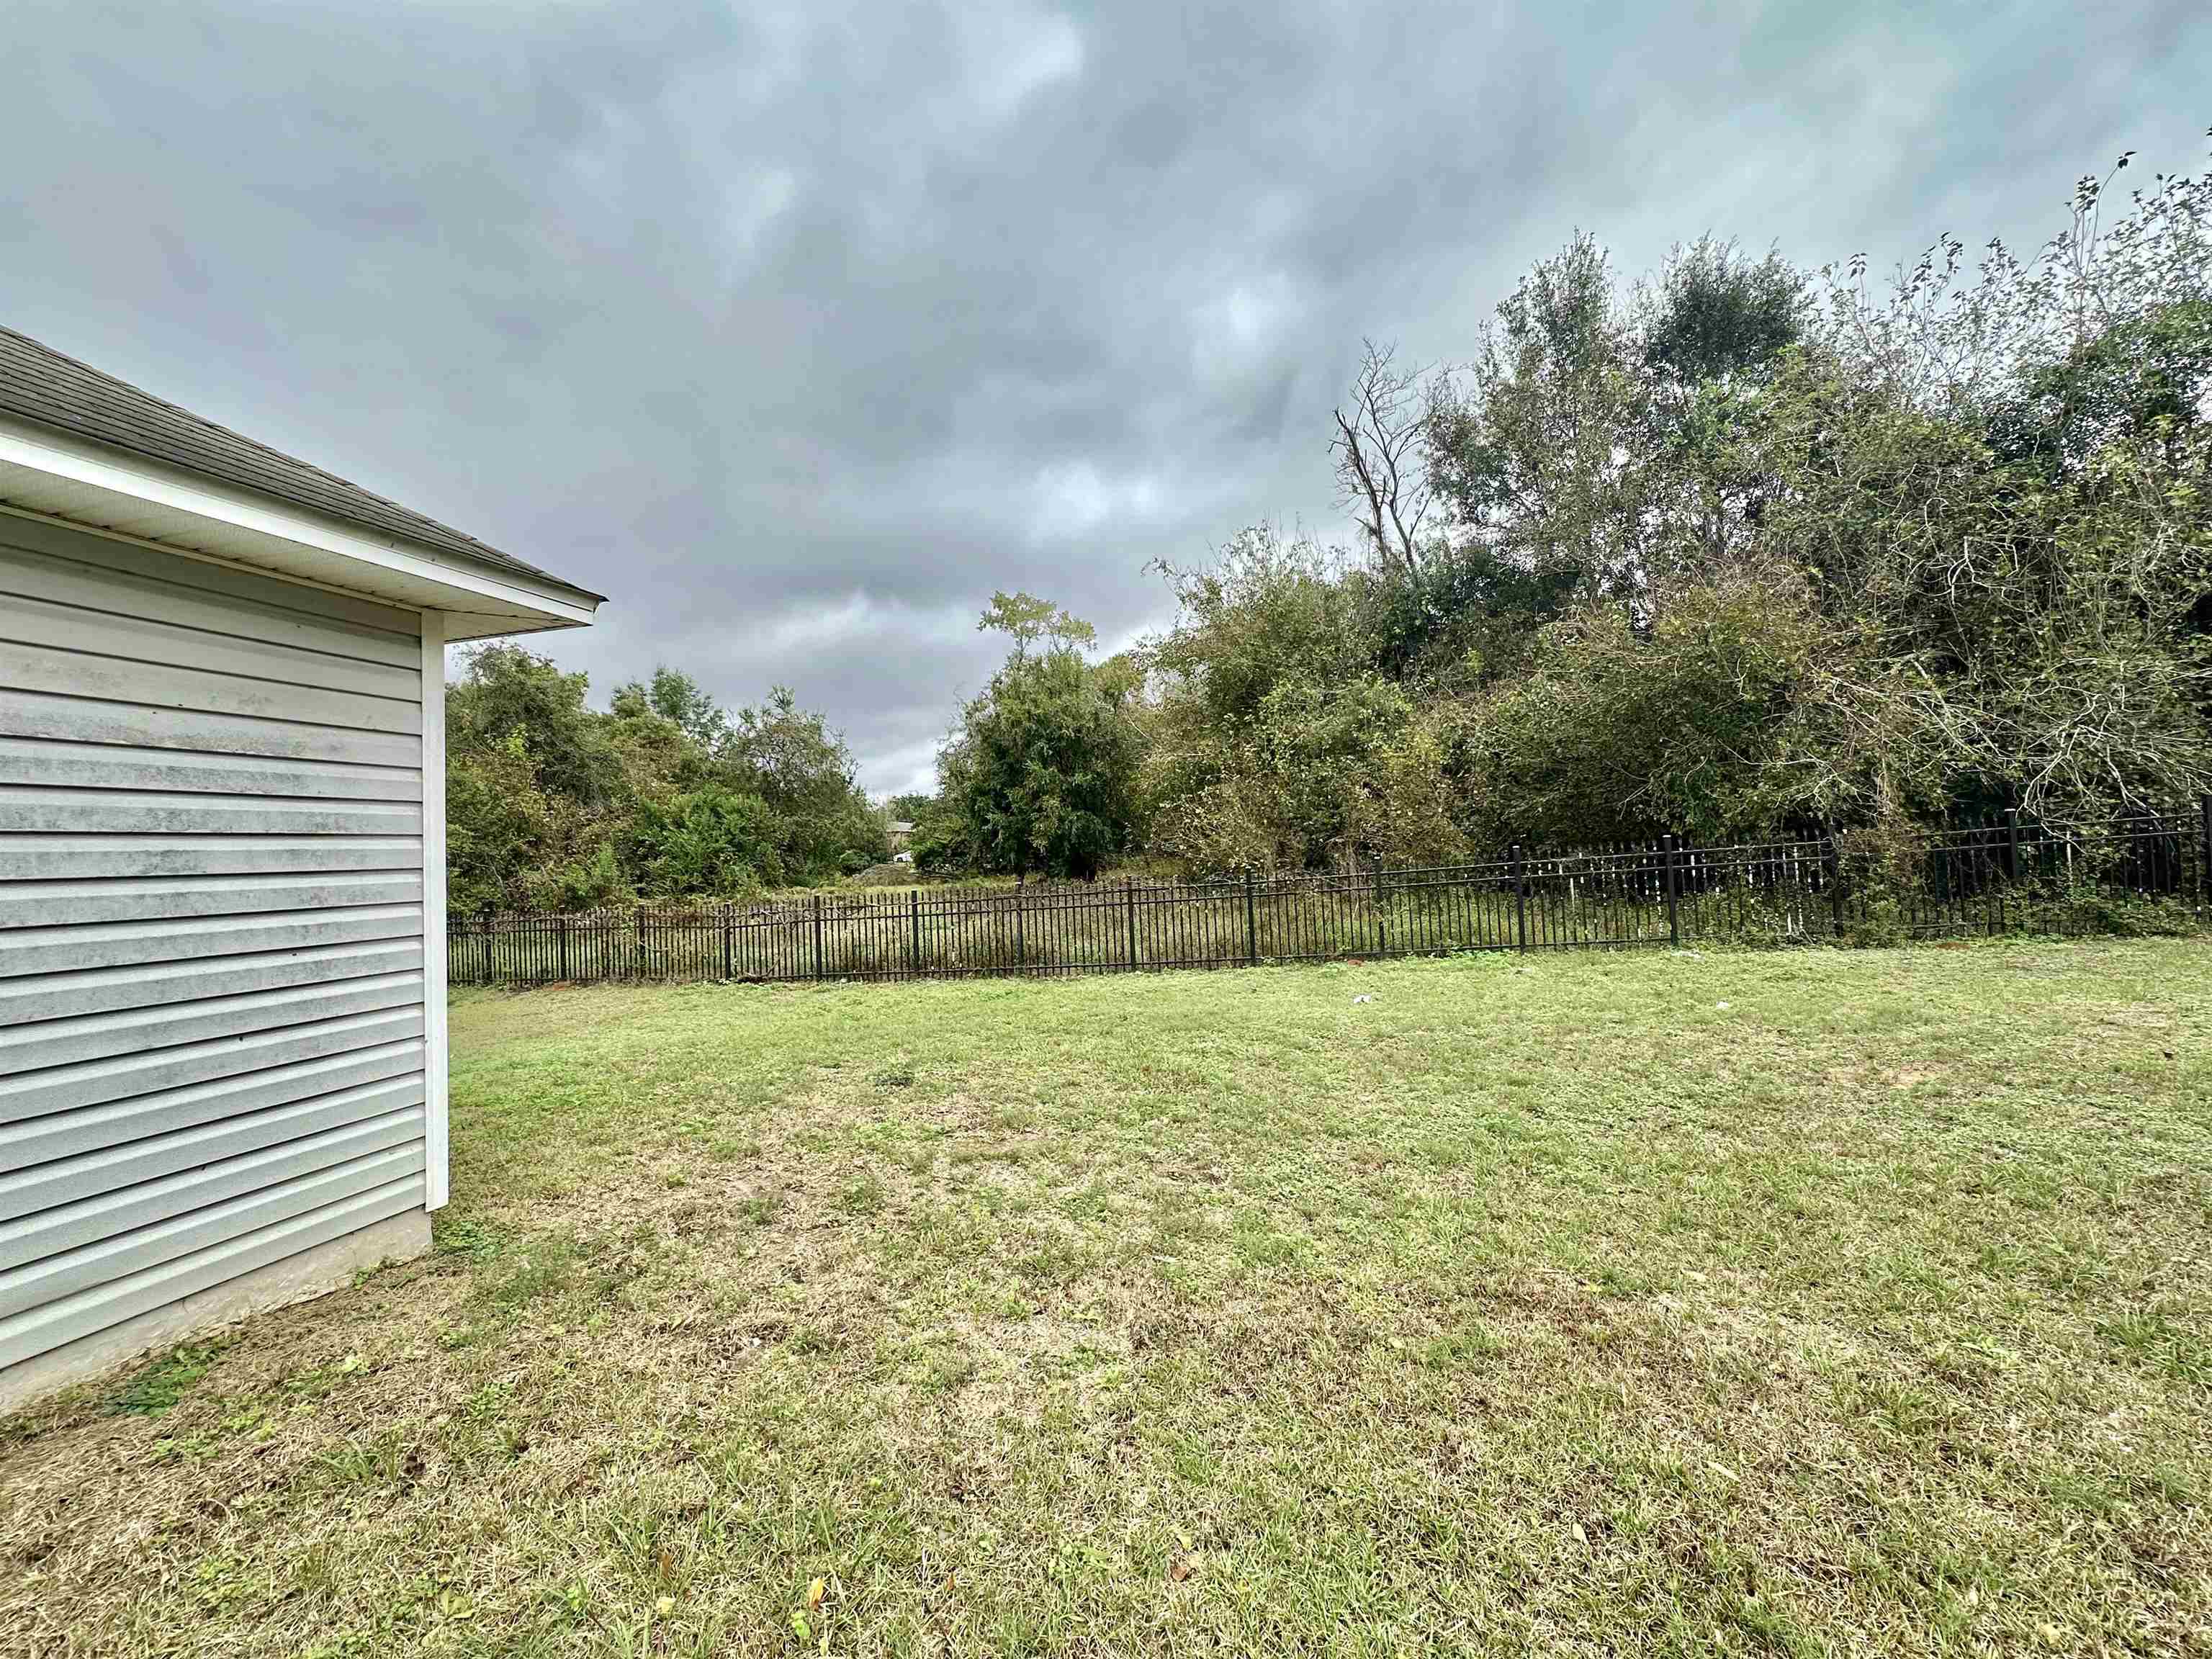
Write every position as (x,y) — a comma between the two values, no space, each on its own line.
(1732,551)
(551,805)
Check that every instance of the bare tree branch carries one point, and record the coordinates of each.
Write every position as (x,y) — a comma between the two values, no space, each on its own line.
(1381,459)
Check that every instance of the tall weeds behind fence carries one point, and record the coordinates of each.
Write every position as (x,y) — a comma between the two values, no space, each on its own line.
(2152,872)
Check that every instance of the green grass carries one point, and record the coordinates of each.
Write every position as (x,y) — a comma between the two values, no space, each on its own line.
(1812,1302)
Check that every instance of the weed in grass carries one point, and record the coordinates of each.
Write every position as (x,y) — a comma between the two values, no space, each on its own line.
(377,1462)
(452,1233)
(948,1370)
(154,1389)
(758,1208)
(537,1268)
(861,1195)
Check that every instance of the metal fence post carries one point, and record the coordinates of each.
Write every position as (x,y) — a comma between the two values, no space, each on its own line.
(1129,893)
(1251,923)
(2204,825)
(2012,844)
(1674,887)
(563,932)
(1520,900)
(729,944)
(817,936)
(641,960)
(914,917)
(1836,886)
(491,971)
(1381,921)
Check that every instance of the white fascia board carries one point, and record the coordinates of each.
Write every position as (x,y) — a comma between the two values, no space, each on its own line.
(52,475)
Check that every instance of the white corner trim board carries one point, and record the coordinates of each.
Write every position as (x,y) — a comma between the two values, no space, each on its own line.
(436,1058)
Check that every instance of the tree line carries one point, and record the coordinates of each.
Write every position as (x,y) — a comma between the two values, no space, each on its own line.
(1730,549)
(553,805)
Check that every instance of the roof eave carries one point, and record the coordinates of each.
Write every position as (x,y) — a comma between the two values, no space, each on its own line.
(57,475)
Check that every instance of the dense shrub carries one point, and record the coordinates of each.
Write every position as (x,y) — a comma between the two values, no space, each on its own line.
(551,804)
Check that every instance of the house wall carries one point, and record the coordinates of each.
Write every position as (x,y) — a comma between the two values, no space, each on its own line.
(213,1066)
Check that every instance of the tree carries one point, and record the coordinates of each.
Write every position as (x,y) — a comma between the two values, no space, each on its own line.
(1326,772)
(1713,313)
(910,808)
(1734,550)
(1265,608)
(498,824)
(1026,619)
(1999,475)
(538,788)
(1469,619)
(504,691)
(2027,642)
(1041,774)
(678,698)
(790,758)
(1280,739)
(1541,449)
(1382,462)
(1715,717)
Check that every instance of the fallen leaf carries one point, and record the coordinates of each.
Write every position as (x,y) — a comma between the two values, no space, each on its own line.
(816,1591)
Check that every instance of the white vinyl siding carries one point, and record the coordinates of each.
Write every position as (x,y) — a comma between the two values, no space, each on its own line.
(212,1020)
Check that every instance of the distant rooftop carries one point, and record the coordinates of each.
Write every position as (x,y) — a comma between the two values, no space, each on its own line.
(41,385)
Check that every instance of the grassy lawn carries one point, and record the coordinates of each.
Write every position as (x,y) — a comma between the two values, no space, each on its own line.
(1853,1302)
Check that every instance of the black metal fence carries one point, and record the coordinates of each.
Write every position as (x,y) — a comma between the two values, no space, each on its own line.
(2150,872)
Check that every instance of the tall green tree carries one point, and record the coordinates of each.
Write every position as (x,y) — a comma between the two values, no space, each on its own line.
(675,697)
(537,790)
(791,759)
(505,694)
(1040,775)
(909,808)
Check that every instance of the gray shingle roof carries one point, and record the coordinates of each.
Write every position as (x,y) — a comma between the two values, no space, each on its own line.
(38,383)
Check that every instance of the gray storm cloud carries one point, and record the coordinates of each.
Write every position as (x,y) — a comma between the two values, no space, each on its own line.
(798,329)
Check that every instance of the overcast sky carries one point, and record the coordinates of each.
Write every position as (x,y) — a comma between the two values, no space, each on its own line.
(798,329)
